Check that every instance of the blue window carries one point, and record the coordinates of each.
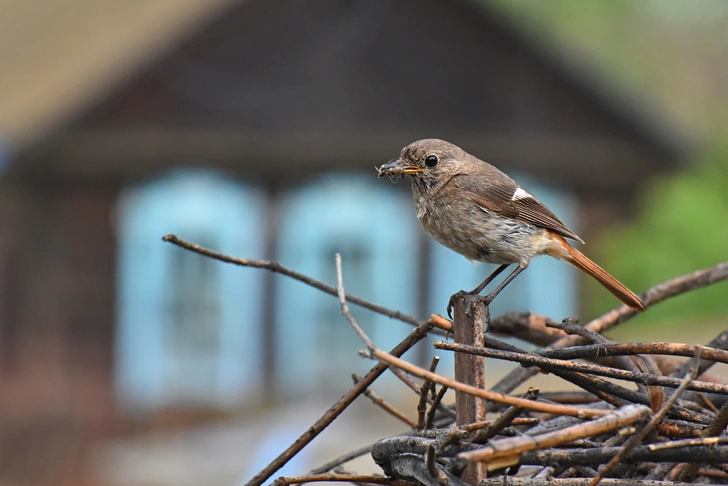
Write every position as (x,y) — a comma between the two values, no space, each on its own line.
(375,230)
(185,321)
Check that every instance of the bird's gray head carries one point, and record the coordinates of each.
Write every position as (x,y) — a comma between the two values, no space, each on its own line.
(427,162)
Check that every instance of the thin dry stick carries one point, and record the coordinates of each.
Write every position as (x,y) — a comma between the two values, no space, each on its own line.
(430,420)
(278,268)
(716,427)
(533,360)
(649,366)
(437,321)
(416,388)
(381,403)
(348,478)
(676,444)
(488,395)
(330,415)
(383,356)
(636,439)
(431,464)
(607,391)
(707,403)
(349,456)
(656,294)
(344,306)
(593,351)
(424,390)
(506,452)
(510,481)
(505,419)
(718,342)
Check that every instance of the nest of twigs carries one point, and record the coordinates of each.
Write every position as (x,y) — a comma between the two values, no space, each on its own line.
(669,429)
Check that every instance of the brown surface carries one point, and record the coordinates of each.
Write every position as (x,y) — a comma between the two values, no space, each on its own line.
(57,55)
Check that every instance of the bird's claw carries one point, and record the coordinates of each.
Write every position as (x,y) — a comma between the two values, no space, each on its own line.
(484,300)
(453,298)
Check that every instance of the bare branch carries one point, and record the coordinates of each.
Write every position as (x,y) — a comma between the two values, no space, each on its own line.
(636,439)
(347,478)
(381,403)
(345,308)
(505,452)
(415,336)
(531,359)
(488,395)
(276,267)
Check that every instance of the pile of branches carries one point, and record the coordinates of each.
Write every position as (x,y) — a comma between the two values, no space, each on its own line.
(581,437)
(668,429)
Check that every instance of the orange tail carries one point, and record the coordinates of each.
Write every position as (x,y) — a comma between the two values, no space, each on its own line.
(576,258)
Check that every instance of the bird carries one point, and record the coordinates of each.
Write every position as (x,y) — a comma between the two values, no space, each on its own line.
(474,209)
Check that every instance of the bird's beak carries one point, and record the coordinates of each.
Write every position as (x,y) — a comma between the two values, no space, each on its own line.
(397,167)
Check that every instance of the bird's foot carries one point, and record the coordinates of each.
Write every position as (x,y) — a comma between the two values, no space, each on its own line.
(451,303)
(475,299)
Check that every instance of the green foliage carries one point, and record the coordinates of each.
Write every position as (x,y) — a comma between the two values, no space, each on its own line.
(682,226)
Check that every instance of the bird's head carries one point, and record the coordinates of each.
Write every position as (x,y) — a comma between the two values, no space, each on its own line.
(426,161)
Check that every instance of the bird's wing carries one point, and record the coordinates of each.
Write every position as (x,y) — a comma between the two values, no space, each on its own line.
(508,199)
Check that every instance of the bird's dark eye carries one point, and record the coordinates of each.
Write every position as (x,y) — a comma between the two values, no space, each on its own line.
(431,161)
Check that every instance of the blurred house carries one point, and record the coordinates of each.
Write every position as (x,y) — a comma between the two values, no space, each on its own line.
(257,135)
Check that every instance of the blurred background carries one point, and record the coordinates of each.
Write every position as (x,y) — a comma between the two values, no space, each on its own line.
(253,127)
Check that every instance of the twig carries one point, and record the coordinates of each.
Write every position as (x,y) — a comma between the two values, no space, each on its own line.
(416,388)
(276,267)
(504,420)
(330,415)
(675,444)
(427,385)
(431,465)
(718,342)
(707,403)
(505,452)
(430,419)
(441,322)
(488,395)
(570,397)
(607,391)
(636,439)
(509,481)
(716,427)
(649,366)
(593,351)
(381,403)
(533,360)
(348,478)
(658,293)
(345,307)
(563,456)
(349,456)
(525,326)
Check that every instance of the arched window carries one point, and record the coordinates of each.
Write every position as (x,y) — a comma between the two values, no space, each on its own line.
(187,325)
(374,229)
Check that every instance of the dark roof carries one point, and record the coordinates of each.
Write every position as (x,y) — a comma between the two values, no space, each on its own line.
(318,84)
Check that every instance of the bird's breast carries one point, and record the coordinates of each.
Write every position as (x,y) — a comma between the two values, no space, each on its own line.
(477,234)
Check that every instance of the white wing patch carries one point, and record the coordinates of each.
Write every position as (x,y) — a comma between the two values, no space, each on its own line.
(520,194)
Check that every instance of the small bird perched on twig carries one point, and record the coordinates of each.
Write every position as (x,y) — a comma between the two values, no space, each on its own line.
(476,210)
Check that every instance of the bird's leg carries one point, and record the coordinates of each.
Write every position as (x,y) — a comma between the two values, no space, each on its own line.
(488,280)
(476,290)
(489,298)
